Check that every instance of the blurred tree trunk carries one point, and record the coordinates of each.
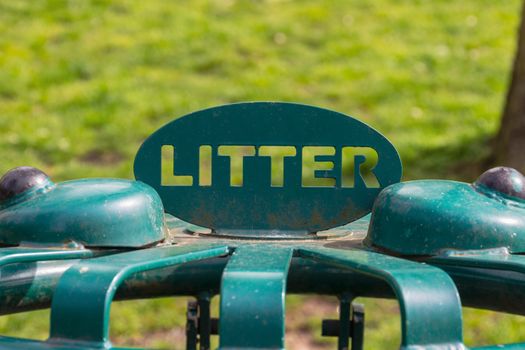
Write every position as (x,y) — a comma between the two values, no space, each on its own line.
(509,147)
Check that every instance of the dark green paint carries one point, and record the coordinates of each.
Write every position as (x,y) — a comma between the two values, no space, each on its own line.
(428,299)
(429,217)
(252,295)
(418,287)
(93,284)
(91,212)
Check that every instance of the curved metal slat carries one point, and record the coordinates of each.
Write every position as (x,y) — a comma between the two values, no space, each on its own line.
(428,299)
(252,312)
(503,262)
(81,303)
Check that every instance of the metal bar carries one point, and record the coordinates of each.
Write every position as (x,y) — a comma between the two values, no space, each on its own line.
(87,289)
(29,286)
(428,300)
(358,326)
(506,262)
(214,326)
(192,319)
(344,322)
(515,346)
(330,328)
(21,254)
(204,321)
(252,298)
(351,323)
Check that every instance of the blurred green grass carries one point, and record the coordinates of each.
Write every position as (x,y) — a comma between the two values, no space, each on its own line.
(82,83)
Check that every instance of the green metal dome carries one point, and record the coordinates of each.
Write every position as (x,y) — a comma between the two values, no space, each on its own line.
(90,212)
(431,217)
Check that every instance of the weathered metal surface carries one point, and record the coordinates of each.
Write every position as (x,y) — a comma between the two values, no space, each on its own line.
(93,284)
(268,195)
(252,295)
(316,276)
(91,212)
(30,285)
(428,299)
(429,217)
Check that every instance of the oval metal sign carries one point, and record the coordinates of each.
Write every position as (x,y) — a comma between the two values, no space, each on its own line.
(265,168)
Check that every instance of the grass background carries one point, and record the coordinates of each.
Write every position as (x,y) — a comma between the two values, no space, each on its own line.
(82,83)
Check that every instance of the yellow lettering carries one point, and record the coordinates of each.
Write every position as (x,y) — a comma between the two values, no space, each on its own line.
(352,167)
(277,155)
(311,164)
(236,154)
(167,165)
(205,166)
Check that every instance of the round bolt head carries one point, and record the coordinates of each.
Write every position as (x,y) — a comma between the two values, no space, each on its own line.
(507,181)
(19,180)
